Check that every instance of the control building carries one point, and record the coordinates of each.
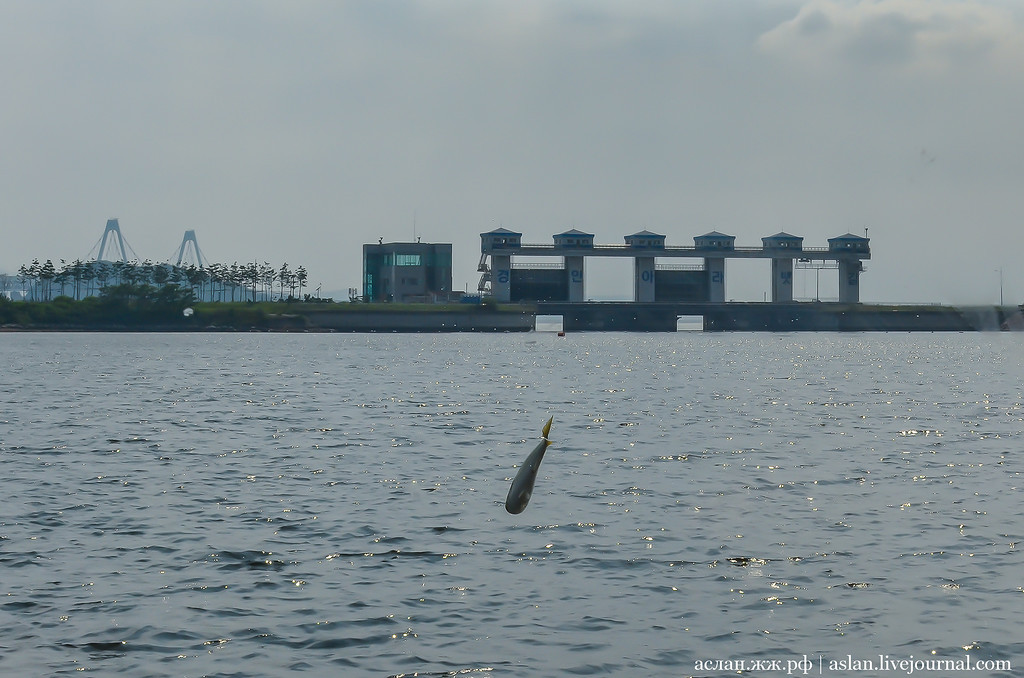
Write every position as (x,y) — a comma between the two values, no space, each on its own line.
(653,281)
(407,272)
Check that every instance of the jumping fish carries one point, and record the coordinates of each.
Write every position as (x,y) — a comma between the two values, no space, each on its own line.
(522,487)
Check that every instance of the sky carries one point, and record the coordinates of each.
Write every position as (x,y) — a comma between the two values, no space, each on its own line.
(294,132)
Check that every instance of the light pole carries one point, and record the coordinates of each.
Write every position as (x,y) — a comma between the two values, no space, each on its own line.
(1000,287)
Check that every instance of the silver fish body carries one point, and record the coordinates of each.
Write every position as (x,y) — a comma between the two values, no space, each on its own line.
(522,486)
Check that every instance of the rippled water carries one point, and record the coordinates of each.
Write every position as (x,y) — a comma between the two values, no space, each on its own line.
(260,505)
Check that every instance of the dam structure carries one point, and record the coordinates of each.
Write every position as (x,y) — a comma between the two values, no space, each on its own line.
(662,291)
(564,281)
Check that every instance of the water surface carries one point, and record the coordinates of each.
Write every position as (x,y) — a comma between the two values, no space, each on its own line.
(263,505)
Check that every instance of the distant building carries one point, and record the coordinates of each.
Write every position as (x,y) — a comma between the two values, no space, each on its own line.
(407,272)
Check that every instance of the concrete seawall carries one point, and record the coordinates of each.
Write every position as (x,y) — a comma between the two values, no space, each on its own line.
(576,317)
(843,318)
(472,319)
(784,317)
(662,317)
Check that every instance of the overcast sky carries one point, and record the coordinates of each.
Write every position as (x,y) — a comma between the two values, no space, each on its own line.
(294,132)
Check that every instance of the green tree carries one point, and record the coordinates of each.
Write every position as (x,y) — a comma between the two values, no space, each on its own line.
(301,275)
(24,277)
(47,272)
(283,277)
(160,274)
(267,277)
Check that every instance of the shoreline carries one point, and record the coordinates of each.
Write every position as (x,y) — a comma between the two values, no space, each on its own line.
(590,316)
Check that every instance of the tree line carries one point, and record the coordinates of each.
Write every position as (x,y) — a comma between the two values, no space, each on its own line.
(45,281)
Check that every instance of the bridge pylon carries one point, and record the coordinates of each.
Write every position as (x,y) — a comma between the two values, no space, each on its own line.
(189,245)
(112,231)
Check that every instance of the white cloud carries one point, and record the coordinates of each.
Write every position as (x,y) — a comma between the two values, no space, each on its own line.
(908,36)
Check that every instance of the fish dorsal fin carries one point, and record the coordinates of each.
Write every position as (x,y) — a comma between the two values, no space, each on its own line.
(547,428)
